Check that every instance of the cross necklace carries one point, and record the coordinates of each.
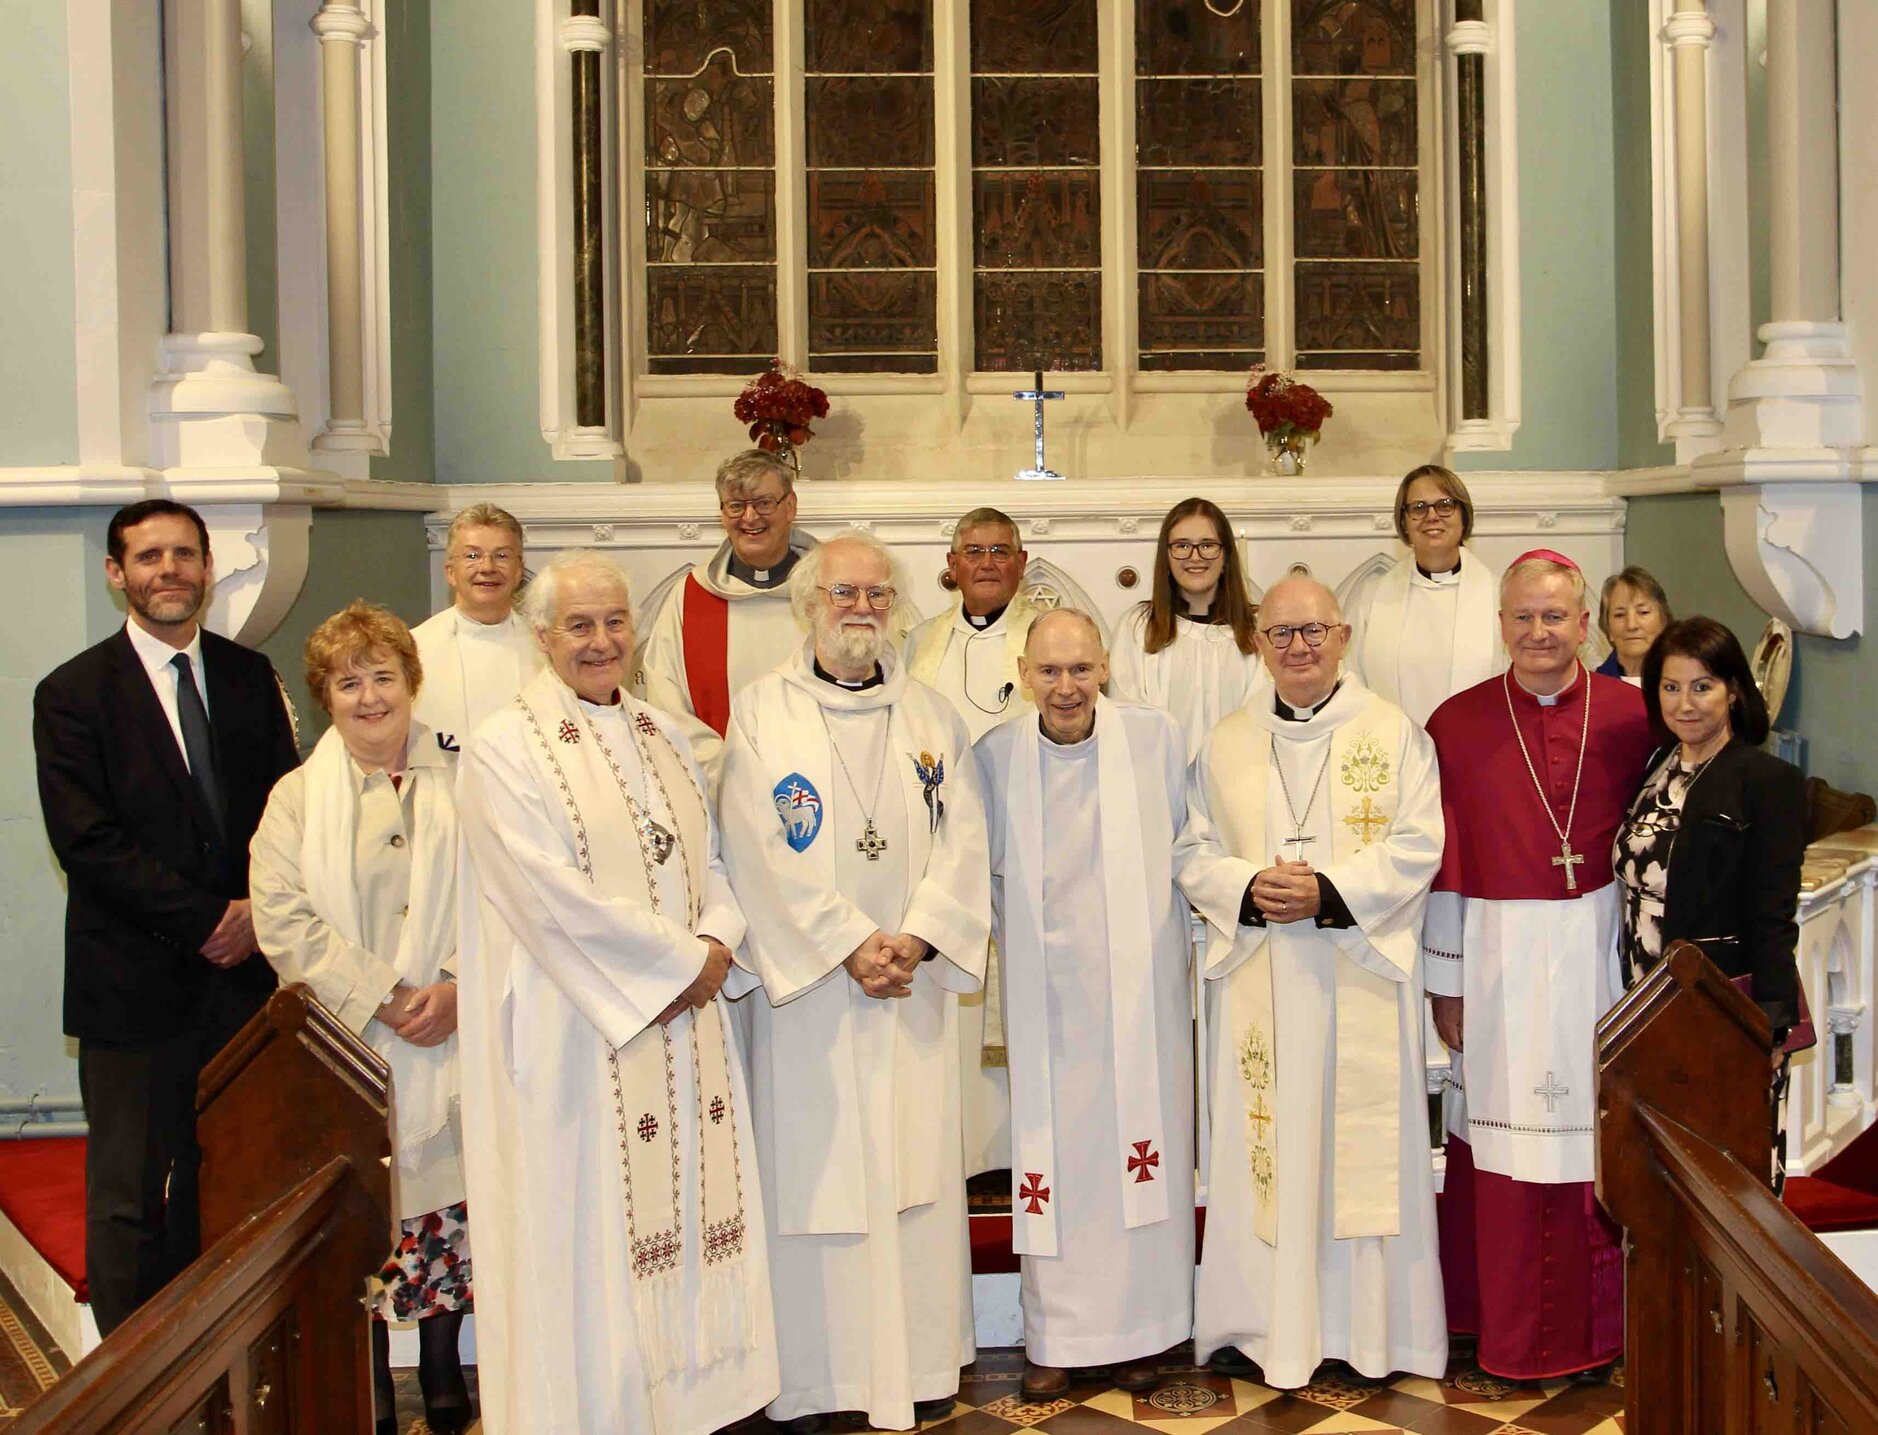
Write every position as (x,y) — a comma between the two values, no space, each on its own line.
(1297,823)
(1566,858)
(870,841)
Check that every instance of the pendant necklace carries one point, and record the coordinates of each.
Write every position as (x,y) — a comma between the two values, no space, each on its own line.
(870,841)
(1566,858)
(1297,822)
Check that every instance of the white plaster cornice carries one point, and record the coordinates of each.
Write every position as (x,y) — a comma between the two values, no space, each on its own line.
(113,486)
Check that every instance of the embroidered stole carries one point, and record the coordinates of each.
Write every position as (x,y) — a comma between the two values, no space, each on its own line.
(1367,1118)
(1130,872)
(617,845)
(706,632)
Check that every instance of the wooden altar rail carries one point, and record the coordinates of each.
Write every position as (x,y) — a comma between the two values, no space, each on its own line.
(1737,1318)
(265,1333)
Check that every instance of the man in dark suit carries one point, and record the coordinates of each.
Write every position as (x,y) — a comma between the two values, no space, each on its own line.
(156,751)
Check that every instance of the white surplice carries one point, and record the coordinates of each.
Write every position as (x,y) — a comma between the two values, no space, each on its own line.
(857,1099)
(1098,1024)
(471,670)
(1307,1294)
(1198,678)
(1417,639)
(556,975)
(976,668)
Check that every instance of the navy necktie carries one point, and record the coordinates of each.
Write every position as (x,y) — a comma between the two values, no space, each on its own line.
(197,742)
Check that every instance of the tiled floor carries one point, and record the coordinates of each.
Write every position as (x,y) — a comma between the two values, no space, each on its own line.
(1196,1402)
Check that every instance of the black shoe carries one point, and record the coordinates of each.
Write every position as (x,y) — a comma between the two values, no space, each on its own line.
(804,1424)
(929,1410)
(1232,1361)
(1596,1375)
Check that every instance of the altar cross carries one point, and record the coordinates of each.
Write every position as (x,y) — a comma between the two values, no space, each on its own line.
(1036,394)
(1568,859)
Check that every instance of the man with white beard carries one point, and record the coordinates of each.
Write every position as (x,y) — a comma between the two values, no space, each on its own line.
(855,838)
(1085,798)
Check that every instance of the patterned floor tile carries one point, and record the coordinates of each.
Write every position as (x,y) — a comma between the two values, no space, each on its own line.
(1081,1420)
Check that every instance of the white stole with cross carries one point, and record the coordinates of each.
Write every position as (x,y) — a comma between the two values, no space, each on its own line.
(1363,790)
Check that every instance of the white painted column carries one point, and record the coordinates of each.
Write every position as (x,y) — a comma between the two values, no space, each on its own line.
(208,406)
(1689,34)
(342,29)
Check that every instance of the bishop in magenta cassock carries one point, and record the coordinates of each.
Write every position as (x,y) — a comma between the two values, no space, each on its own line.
(1520,945)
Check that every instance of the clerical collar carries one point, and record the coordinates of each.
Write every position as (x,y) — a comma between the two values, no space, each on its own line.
(1548,700)
(1203,619)
(764,577)
(981,621)
(1444,573)
(1291,714)
(872,680)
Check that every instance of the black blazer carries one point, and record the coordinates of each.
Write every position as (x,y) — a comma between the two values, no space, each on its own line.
(147,879)
(1734,872)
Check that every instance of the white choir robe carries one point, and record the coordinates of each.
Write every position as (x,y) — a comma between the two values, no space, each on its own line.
(1417,640)
(976,668)
(471,670)
(1199,677)
(857,1099)
(1111,1292)
(553,976)
(1375,1300)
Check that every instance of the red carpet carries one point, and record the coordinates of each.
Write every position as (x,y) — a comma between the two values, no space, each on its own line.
(1843,1194)
(42,1191)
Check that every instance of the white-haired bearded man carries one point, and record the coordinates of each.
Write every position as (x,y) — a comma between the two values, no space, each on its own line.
(607,1129)
(855,837)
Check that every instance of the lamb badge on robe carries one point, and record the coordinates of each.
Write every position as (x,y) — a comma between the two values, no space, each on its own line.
(799,806)
(932,772)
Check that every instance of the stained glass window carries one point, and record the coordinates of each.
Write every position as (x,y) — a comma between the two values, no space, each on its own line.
(1036,185)
(710,185)
(1355,184)
(872,251)
(1199,211)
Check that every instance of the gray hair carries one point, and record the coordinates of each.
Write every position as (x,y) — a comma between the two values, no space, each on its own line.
(1076,614)
(1544,568)
(1638,580)
(739,474)
(806,598)
(542,600)
(984,518)
(482,515)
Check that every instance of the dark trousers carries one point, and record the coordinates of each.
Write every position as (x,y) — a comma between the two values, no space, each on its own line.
(142,1215)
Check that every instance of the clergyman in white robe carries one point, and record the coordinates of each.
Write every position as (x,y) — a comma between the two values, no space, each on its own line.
(1321,1238)
(1098,1023)
(471,670)
(620,1252)
(857,1097)
(1419,638)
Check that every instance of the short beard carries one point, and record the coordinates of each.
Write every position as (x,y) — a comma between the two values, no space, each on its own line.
(182,609)
(854,646)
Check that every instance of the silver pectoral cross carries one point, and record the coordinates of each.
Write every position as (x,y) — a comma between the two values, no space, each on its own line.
(1297,846)
(1568,859)
(871,842)
(1036,393)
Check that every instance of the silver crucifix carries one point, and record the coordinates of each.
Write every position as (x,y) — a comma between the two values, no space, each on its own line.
(1036,393)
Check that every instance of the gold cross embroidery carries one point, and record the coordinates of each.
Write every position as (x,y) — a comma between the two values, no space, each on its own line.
(1259,1116)
(1365,819)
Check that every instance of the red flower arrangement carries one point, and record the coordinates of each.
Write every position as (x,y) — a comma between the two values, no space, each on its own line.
(778,405)
(1285,408)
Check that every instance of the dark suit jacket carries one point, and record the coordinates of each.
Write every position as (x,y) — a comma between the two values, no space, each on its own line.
(1734,873)
(147,879)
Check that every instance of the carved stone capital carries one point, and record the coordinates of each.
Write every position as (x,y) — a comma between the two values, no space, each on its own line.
(1689,27)
(338,21)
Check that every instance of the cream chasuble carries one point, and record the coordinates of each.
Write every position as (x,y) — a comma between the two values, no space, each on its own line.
(1321,1235)
(623,1271)
(976,668)
(1099,1012)
(857,1099)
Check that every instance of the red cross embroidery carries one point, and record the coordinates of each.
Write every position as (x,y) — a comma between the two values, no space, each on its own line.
(1141,1163)
(717,1110)
(643,721)
(648,1126)
(1034,1191)
(568,732)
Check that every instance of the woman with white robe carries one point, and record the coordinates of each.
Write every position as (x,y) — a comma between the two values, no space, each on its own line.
(353,879)
(1427,628)
(1189,648)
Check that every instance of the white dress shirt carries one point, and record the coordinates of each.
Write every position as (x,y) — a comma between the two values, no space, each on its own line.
(156,655)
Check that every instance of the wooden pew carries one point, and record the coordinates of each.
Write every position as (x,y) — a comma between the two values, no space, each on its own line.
(264,1334)
(1737,1318)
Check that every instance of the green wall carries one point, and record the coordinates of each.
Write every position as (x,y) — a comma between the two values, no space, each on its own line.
(1632,286)
(258,184)
(484,259)
(413,455)
(1679,539)
(355,553)
(38,358)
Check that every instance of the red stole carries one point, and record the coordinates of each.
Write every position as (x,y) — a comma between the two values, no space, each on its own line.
(1499,845)
(707,654)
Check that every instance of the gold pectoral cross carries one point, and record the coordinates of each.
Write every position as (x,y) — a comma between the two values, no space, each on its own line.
(1567,859)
